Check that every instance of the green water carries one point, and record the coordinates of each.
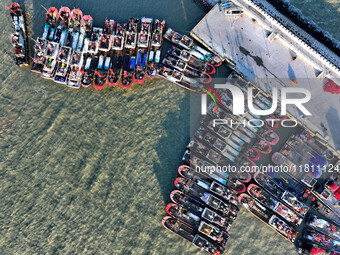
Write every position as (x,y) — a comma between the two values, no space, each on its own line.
(90,172)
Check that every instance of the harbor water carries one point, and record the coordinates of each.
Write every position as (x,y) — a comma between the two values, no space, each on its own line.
(90,172)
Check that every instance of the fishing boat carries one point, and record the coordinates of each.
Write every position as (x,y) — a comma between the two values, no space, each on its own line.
(143,43)
(51,54)
(75,29)
(52,15)
(93,43)
(181,66)
(277,191)
(187,43)
(180,79)
(130,54)
(191,188)
(271,137)
(155,48)
(105,41)
(63,60)
(271,203)
(200,209)
(321,239)
(307,248)
(19,37)
(216,188)
(227,148)
(101,71)
(178,227)
(39,57)
(252,154)
(324,226)
(263,146)
(267,217)
(207,152)
(243,176)
(91,63)
(325,211)
(117,59)
(214,233)
(293,170)
(316,163)
(75,75)
(191,60)
(85,32)
(104,47)
(60,34)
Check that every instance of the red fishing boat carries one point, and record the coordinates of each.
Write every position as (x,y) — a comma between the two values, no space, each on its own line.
(52,16)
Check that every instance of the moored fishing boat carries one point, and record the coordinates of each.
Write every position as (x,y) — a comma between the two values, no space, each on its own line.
(64,17)
(216,188)
(268,217)
(85,32)
(263,146)
(143,43)
(104,47)
(180,79)
(271,137)
(191,60)
(203,227)
(90,65)
(271,203)
(117,59)
(322,240)
(252,154)
(294,171)
(51,54)
(279,192)
(188,233)
(19,36)
(155,48)
(63,60)
(52,15)
(187,43)
(101,71)
(75,75)
(307,248)
(106,38)
(39,57)
(75,29)
(200,209)
(93,43)
(323,226)
(196,191)
(130,54)
(186,70)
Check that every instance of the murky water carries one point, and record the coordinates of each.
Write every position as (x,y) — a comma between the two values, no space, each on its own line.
(90,172)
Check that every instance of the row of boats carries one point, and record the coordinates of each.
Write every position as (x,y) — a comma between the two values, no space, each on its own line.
(238,145)
(202,209)
(187,64)
(281,199)
(74,52)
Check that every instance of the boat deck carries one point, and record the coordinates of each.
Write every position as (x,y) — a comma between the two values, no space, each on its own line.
(270,58)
